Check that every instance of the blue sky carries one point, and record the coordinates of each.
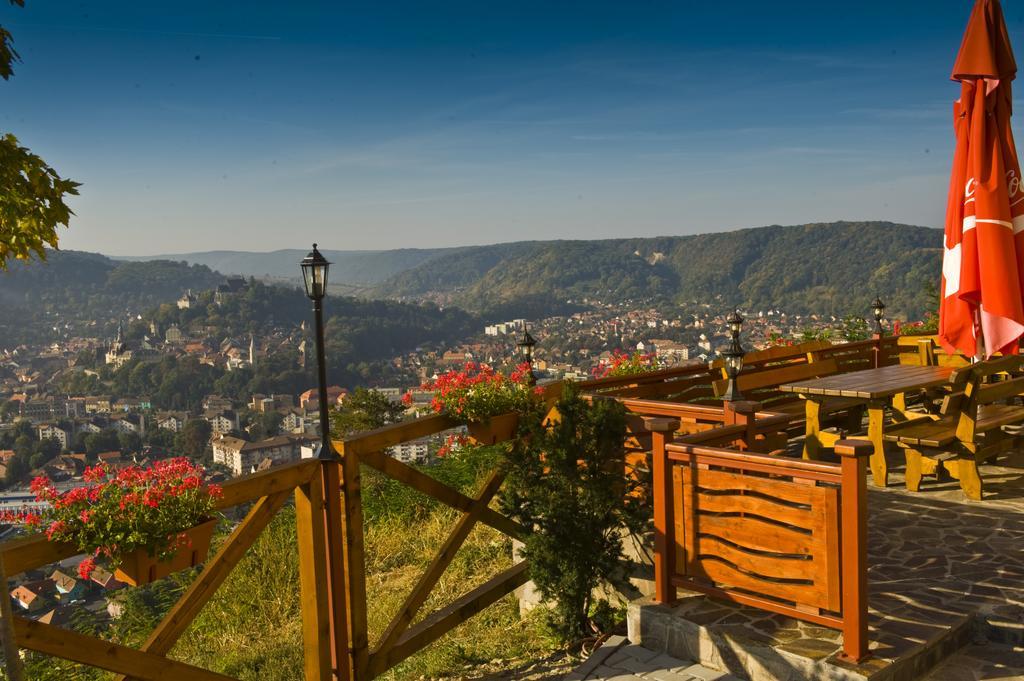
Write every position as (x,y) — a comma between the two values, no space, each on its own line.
(257,126)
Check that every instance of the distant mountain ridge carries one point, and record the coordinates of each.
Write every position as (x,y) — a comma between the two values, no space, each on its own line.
(350,267)
(834,267)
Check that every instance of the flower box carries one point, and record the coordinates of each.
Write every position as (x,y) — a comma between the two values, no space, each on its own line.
(138,567)
(495,429)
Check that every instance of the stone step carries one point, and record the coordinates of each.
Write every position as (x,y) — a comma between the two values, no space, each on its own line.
(619,660)
(753,644)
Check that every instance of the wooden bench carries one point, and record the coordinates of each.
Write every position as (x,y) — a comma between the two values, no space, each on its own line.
(859,355)
(971,428)
(762,386)
(924,351)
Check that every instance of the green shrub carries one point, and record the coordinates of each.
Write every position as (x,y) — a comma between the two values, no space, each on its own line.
(568,481)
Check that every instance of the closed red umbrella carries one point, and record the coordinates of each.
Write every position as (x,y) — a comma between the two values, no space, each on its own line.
(982,307)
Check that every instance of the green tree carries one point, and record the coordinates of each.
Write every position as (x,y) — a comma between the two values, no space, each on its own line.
(17,468)
(129,442)
(194,438)
(104,441)
(9,410)
(363,410)
(160,438)
(31,192)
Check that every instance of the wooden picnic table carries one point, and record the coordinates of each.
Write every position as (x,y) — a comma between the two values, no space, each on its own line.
(878,388)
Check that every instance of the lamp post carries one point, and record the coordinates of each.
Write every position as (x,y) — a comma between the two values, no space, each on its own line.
(526,343)
(314,276)
(734,357)
(878,307)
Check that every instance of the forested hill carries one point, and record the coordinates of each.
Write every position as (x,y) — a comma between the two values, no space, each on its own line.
(72,291)
(831,267)
(352,268)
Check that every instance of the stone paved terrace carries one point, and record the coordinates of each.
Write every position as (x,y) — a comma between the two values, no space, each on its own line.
(946,582)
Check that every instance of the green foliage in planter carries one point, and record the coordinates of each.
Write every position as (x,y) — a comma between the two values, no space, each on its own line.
(568,480)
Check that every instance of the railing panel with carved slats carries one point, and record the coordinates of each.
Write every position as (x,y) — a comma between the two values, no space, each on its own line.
(780,534)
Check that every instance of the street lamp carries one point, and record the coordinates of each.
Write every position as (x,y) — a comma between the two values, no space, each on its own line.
(879,310)
(734,357)
(526,344)
(314,275)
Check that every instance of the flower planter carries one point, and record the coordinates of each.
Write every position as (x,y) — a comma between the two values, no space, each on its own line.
(495,429)
(138,567)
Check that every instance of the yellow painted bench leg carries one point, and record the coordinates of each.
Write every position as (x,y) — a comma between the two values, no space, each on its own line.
(879,469)
(812,440)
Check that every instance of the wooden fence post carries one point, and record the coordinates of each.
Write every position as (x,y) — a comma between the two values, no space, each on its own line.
(664,524)
(742,413)
(854,523)
(330,470)
(11,653)
(355,565)
(877,337)
(313,580)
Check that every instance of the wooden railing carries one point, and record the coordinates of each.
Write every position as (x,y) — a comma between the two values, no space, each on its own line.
(783,535)
(332,568)
(366,660)
(267,491)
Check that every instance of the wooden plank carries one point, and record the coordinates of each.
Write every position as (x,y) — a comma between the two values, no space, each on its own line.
(313,588)
(33,551)
(730,481)
(216,570)
(803,594)
(754,506)
(679,507)
(277,479)
(760,602)
(424,483)
(94,652)
(777,377)
(1002,390)
(434,571)
(388,436)
(437,624)
(637,379)
(877,383)
(779,566)
(753,533)
(755,462)
(992,416)
(830,562)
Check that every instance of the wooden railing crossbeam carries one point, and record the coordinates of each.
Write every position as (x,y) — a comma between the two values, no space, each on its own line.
(422,482)
(433,573)
(389,436)
(87,650)
(216,570)
(278,479)
(437,624)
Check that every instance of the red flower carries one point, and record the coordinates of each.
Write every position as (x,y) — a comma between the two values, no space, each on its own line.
(86,567)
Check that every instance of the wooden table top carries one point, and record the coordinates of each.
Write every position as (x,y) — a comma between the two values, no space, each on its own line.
(873,384)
